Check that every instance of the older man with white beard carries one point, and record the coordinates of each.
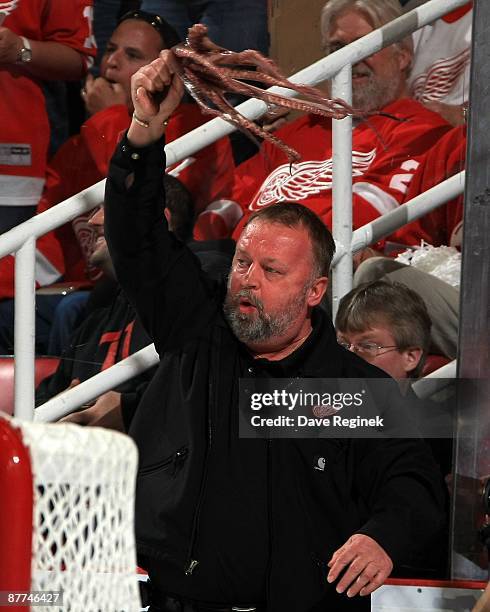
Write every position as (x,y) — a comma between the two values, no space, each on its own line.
(385,145)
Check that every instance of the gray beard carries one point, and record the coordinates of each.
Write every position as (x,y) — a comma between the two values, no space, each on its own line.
(375,94)
(260,326)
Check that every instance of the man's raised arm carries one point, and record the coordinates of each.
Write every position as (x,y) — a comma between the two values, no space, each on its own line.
(159,274)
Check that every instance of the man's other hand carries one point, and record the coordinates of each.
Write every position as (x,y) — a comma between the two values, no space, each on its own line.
(452,113)
(106,412)
(366,566)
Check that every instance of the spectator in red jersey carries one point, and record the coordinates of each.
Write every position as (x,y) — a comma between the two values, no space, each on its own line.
(46,39)
(442,226)
(82,161)
(384,147)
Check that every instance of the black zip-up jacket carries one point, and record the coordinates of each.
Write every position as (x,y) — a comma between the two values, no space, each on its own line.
(387,489)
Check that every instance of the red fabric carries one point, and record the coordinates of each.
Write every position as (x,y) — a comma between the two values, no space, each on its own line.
(433,363)
(114,339)
(458,13)
(23,117)
(208,173)
(83,160)
(442,226)
(447,584)
(384,161)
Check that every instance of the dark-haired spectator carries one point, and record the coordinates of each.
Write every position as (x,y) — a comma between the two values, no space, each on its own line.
(46,39)
(106,16)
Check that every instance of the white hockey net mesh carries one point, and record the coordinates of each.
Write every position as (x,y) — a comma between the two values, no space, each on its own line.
(83,533)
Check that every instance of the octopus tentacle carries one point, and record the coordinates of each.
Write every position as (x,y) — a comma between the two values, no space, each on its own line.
(338,112)
(209,72)
(311,92)
(249,126)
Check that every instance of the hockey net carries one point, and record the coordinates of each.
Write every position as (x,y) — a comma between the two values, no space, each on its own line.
(83,487)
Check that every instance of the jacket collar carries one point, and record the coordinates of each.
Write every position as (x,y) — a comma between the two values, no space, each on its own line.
(316,357)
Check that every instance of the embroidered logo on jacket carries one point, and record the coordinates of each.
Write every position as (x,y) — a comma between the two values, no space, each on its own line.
(320,463)
(305,179)
(441,78)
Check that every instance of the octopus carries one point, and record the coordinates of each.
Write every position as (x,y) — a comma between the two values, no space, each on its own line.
(210,72)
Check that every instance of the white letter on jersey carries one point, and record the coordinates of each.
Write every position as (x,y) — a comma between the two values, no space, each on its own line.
(400,181)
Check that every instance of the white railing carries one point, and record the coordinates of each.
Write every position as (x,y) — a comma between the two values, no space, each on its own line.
(336,66)
(435,381)
(417,207)
(68,401)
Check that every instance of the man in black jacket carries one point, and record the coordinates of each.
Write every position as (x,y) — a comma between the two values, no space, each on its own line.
(225,523)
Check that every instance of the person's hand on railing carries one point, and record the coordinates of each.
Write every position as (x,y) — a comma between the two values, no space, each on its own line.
(156,91)
(105,412)
(98,94)
(455,114)
(366,253)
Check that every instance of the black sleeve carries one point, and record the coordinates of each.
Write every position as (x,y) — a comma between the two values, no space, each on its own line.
(130,401)
(160,276)
(402,488)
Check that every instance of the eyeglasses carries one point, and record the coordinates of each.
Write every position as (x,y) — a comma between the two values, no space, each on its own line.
(370,349)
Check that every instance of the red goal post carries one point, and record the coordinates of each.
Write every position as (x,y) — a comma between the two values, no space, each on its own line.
(67,515)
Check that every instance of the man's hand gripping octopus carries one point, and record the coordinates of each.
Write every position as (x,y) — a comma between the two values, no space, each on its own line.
(156,91)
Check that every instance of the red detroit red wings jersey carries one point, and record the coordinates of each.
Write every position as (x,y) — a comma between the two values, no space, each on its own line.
(444,225)
(384,149)
(441,65)
(24,126)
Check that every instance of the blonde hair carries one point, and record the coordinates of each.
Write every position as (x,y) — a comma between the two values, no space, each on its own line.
(394,306)
(378,13)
